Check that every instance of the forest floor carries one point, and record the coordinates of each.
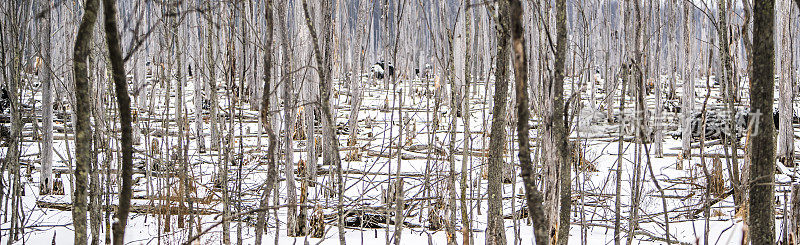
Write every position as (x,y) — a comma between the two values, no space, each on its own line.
(156,189)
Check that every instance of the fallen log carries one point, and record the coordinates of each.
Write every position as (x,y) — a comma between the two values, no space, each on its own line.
(403,155)
(709,155)
(324,171)
(204,200)
(145,209)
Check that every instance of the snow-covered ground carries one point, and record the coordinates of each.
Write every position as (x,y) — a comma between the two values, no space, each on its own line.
(593,191)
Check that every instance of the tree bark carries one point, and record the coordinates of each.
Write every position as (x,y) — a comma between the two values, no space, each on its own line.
(762,147)
(294,225)
(731,90)
(229,72)
(560,132)
(795,213)
(46,175)
(124,104)
(466,231)
(181,160)
(495,229)
(532,195)
(83,132)
(94,175)
(785,152)
(267,124)
(212,85)
(620,159)
(688,89)
(636,68)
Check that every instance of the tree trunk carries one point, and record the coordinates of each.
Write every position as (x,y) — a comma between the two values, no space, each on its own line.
(730,82)
(295,226)
(762,147)
(658,138)
(466,231)
(124,104)
(688,89)
(182,164)
(46,175)
(560,132)
(794,231)
(83,133)
(212,85)
(328,131)
(94,177)
(785,153)
(495,229)
(532,194)
(636,68)
(240,100)
(229,73)
(197,97)
(620,159)
(266,123)
(450,73)
(325,88)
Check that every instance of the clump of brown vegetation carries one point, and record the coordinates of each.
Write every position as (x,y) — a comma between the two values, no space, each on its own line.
(435,220)
(318,145)
(579,160)
(353,155)
(299,129)
(716,183)
(316,223)
(411,132)
(301,168)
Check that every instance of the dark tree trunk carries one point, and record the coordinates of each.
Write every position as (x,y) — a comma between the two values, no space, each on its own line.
(495,230)
(124,103)
(560,125)
(532,194)
(762,144)
(83,132)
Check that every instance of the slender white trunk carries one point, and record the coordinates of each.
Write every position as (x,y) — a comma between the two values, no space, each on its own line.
(46,177)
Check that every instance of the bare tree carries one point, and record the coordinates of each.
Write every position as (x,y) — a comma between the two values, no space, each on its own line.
(560,132)
(495,233)
(730,86)
(294,226)
(124,104)
(325,89)
(46,176)
(317,65)
(13,47)
(785,151)
(532,194)
(687,107)
(267,123)
(82,129)
(466,232)
(762,146)
(635,71)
